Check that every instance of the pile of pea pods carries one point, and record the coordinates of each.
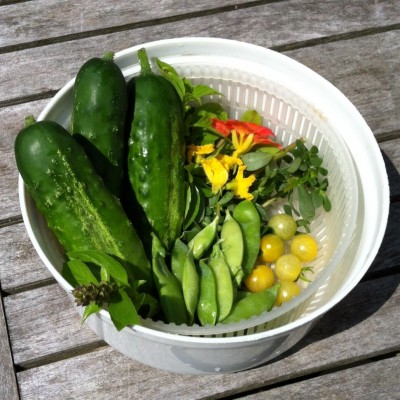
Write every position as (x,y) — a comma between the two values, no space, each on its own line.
(200,281)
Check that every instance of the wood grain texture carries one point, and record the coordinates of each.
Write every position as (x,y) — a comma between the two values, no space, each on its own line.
(350,352)
(20,266)
(12,120)
(371,307)
(41,19)
(275,24)
(8,381)
(377,380)
(46,324)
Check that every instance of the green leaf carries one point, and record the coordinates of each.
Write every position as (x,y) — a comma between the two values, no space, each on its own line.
(306,205)
(326,203)
(256,160)
(252,116)
(226,198)
(91,308)
(80,272)
(200,91)
(317,199)
(194,205)
(172,76)
(122,311)
(114,267)
(294,165)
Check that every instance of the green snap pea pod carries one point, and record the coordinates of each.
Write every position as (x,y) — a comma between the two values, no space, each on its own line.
(247,216)
(178,257)
(168,286)
(232,246)
(207,304)
(190,285)
(253,304)
(203,240)
(223,279)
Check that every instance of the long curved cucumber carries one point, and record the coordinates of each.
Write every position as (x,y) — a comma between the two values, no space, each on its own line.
(79,209)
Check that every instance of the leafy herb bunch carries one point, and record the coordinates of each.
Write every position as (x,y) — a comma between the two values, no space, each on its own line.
(293,174)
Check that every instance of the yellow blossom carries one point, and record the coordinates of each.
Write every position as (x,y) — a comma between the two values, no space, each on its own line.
(228,161)
(242,143)
(216,173)
(198,151)
(240,185)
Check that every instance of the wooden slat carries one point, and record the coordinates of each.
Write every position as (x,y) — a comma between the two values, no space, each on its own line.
(379,380)
(368,78)
(42,19)
(339,338)
(12,121)
(20,266)
(8,382)
(43,323)
(269,25)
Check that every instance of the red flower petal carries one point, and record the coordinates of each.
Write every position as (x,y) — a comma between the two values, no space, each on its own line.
(262,134)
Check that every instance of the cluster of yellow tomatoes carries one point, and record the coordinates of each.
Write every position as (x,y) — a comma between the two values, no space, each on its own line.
(282,258)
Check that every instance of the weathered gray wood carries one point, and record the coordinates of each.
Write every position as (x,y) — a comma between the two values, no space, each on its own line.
(20,266)
(43,19)
(12,120)
(353,44)
(339,338)
(43,326)
(268,25)
(368,78)
(8,381)
(375,380)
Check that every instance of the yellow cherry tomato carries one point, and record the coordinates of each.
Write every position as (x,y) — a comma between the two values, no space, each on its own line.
(283,225)
(287,291)
(288,267)
(304,246)
(272,247)
(262,277)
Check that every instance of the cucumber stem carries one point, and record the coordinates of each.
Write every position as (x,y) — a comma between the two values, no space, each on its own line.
(29,120)
(108,56)
(144,62)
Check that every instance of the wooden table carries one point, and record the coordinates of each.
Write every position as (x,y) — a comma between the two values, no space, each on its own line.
(45,353)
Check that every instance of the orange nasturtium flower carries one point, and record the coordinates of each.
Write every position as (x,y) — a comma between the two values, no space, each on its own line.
(241,185)
(262,134)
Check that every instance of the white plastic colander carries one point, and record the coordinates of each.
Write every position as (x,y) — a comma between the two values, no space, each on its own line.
(294,102)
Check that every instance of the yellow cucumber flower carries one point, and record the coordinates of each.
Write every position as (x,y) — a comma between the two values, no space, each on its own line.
(229,161)
(241,185)
(199,152)
(216,173)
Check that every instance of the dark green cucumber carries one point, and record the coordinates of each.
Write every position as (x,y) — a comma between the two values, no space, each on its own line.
(157,152)
(99,115)
(79,209)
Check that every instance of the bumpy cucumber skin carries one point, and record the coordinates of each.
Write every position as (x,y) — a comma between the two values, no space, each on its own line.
(156,155)
(98,118)
(79,209)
